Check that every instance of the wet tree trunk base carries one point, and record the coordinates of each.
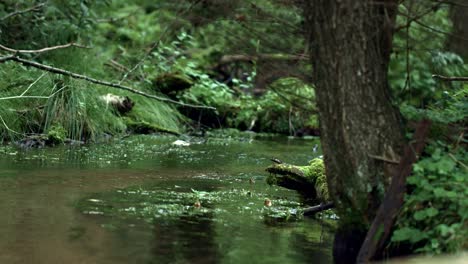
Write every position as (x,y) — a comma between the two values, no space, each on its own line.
(346,245)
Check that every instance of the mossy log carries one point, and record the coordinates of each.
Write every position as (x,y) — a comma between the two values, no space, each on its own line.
(308,180)
(172,83)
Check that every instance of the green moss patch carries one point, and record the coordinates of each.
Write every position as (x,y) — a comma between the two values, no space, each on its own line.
(309,180)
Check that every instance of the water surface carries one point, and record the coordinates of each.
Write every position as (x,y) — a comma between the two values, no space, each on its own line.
(131,201)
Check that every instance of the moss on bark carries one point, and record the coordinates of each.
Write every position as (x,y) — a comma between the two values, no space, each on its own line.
(309,180)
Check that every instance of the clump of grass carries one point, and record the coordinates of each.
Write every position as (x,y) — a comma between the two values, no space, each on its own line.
(72,104)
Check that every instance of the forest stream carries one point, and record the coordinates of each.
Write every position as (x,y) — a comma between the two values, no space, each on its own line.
(135,200)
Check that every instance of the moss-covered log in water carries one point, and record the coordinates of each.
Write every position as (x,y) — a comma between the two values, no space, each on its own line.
(308,180)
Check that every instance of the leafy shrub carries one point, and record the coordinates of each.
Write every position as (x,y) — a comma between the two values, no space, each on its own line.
(415,59)
(435,214)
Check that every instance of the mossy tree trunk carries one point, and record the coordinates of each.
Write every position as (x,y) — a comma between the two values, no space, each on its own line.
(350,46)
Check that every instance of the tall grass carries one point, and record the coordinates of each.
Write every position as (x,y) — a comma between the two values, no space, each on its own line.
(74,104)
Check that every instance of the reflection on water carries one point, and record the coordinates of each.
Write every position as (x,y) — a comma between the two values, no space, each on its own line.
(191,238)
(41,222)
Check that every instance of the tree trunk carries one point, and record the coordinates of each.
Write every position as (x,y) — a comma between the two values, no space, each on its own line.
(350,44)
(458,40)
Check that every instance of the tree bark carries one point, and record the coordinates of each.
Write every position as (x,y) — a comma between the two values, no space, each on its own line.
(350,46)
(458,40)
(382,226)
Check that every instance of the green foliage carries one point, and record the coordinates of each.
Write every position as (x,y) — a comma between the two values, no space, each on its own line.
(79,110)
(416,59)
(289,104)
(451,108)
(209,92)
(56,135)
(434,217)
(435,214)
(74,105)
(120,34)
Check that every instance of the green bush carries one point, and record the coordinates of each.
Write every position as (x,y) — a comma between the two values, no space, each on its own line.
(435,214)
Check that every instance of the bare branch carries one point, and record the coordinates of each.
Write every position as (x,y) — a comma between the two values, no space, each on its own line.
(23,96)
(43,49)
(8,128)
(19,12)
(96,81)
(417,16)
(6,58)
(383,158)
(439,31)
(318,208)
(226,59)
(450,79)
(452,3)
(32,84)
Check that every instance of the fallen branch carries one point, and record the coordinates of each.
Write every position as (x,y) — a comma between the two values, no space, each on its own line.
(43,49)
(19,12)
(226,59)
(318,208)
(450,79)
(382,158)
(96,81)
(382,225)
(114,64)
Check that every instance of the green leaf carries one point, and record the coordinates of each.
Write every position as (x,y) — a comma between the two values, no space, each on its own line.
(439,192)
(426,213)
(408,234)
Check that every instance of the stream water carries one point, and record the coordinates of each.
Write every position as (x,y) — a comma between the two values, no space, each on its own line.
(132,201)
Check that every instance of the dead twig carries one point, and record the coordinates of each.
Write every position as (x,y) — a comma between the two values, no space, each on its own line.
(121,68)
(318,208)
(43,49)
(96,81)
(450,79)
(458,161)
(23,96)
(410,20)
(8,128)
(19,12)
(382,158)
(226,59)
